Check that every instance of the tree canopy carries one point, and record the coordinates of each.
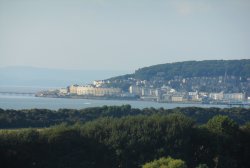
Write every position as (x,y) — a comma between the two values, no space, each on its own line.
(166,162)
(129,142)
(188,69)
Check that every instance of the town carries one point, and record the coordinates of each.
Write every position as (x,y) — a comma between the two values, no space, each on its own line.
(172,91)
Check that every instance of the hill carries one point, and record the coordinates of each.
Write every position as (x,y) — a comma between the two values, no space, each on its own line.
(189,69)
(229,76)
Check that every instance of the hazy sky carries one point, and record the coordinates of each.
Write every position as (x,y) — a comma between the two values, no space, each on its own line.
(121,34)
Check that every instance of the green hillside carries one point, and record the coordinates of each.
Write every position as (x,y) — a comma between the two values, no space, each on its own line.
(188,69)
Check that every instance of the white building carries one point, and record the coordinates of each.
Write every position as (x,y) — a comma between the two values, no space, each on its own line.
(234,96)
(97,91)
(136,90)
(73,89)
(194,96)
(98,83)
(63,90)
(216,96)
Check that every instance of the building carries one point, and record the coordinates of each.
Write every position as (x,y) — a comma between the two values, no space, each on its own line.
(234,96)
(216,96)
(179,97)
(97,91)
(145,91)
(98,83)
(63,90)
(203,94)
(73,89)
(167,97)
(136,90)
(194,96)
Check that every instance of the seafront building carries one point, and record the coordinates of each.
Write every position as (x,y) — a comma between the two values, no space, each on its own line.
(72,89)
(63,91)
(216,96)
(97,91)
(136,90)
(144,91)
(168,94)
(234,96)
(91,90)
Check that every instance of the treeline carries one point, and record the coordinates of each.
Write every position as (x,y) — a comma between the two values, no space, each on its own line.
(130,142)
(208,68)
(46,118)
(188,69)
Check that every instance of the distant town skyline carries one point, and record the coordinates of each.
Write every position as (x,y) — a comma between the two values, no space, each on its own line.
(121,35)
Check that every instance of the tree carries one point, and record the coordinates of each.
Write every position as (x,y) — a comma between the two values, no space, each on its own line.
(166,162)
(222,125)
(225,141)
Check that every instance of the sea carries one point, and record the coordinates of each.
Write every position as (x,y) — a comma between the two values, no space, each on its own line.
(17,98)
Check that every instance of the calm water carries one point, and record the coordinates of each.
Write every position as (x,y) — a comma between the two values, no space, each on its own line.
(17,101)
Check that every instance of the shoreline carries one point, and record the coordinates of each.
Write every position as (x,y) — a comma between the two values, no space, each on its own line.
(241,104)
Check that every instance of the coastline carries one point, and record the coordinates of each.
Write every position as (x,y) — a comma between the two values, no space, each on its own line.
(118,98)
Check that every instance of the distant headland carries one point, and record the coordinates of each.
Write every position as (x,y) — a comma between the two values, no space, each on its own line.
(212,81)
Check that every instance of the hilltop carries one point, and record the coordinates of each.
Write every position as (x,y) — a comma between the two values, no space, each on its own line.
(209,76)
(213,81)
(189,69)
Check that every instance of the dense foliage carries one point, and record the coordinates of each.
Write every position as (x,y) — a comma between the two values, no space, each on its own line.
(229,76)
(189,69)
(166,163)
(45,117)
(129,142)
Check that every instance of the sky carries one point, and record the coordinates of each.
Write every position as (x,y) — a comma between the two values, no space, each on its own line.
(121,34)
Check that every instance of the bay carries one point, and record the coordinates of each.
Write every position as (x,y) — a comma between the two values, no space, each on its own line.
(23,101)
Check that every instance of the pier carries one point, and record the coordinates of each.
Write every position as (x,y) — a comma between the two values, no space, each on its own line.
(17,93)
